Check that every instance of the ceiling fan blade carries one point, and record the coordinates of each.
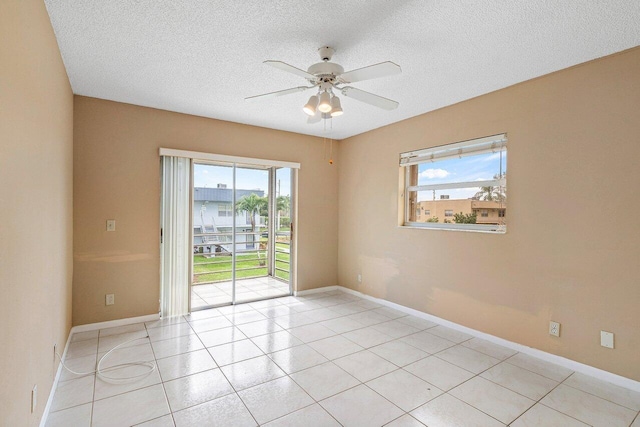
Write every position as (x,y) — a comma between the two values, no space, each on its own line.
(383,69)
(369,98)
(291,69)
(278,93)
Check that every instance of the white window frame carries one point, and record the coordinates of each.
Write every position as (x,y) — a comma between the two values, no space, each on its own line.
(489,144)
(228,210)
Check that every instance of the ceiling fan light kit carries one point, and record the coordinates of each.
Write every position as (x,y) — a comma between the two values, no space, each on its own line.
(326,76)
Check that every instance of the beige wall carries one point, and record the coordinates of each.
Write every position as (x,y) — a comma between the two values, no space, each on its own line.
(117,176)
(36,143)
(573,148)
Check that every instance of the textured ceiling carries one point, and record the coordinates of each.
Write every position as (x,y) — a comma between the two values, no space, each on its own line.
(204,57)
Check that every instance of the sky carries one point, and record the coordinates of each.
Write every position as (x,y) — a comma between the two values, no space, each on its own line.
(471,168)
(246,179)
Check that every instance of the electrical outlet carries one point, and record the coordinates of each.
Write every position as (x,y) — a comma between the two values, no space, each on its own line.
(554,328)
(111,225)
(34,398)
(606,339)
(359,278)
(110,299)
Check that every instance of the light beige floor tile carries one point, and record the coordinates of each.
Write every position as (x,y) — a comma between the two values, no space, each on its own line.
(72,393)
(427,342)
(417,322)
(233,352)
(489,348)
(404,390)
(277,341)
(405,421)
(450,334)
(367,337)
(185,364)
(84,365)
(116,382)
(520,380)
(138,353)
(164,421)
(166,321)
(129,339)
(281,310)
(251,372)
(223,412)
(82,348)
(175,346)
(313,332)
(636,423)
(116,330)
(195,389)
(365,365)
(546,369)
(436,371)
(130,408)
(342,325)
(399,352)
(447,411)
(468,359)
(170,331)
(261,327)
(361,406)
(274,399)
(542,416)
(324,380)
(77,416)
(322,314)
(293,320)
(297,358)
(210,324)
(613,393)
(335,347)
(389,312)
(367,318)
(311,416)
(82,336)
(396,328)
(221,336)
(588,408)
(492,399)
(205,314)
(245,317)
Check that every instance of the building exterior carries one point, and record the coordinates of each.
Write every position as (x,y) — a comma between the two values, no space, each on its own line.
(487,212)
(213,212)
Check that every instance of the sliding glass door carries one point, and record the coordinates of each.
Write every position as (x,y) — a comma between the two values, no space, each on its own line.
(241,220)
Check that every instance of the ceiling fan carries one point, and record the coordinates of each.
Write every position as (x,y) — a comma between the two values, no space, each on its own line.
(328,78)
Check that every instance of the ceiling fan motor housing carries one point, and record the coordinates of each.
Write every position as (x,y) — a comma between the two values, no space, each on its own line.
(325,70)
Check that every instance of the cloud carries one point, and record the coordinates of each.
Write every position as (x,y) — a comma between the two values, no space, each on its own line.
(434,173)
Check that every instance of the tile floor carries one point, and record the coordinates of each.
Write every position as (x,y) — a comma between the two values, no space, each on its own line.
(246,290)
(326,359)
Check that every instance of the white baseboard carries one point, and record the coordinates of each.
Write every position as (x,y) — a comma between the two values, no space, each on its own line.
(113,323)
(316,290)
(84,328)
(548,357)
(47,408)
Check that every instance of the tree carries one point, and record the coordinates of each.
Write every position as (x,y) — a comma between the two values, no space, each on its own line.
(490,193)
(461,218)
(254,205)
(434,219)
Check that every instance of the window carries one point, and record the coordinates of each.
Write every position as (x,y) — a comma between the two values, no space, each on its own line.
(456,186)
(418,212)
(224,209)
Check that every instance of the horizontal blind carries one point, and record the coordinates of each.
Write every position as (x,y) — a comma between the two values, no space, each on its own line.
(488,144)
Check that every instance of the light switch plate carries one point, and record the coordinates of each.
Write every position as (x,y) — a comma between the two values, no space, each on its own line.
(111,225)
(606,339)
(109,299)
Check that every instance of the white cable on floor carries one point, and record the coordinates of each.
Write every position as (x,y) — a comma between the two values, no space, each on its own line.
(115,380)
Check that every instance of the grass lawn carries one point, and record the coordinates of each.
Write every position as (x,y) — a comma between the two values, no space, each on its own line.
(215,267)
